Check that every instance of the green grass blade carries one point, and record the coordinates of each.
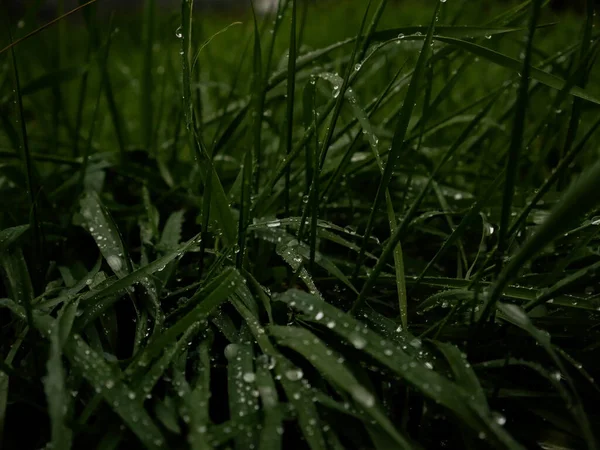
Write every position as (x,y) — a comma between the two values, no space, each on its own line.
(400,229)
(54,383)
(9,236)
(270,436)
(463,372)
(305,343)
(428,382)
(5,381)
(516,316)
(241,383)
(576,201)
(104,231)
(101,299)
(29,170)
(517,136)
(510,63)
(297,390)
(291,90)
(225,284)
(398,139)
(17,280)
(106,381)
(147,82)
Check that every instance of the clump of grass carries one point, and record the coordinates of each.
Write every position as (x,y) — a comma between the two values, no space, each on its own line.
(267,236)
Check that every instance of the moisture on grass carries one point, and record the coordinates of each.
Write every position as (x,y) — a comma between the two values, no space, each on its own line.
(355,224)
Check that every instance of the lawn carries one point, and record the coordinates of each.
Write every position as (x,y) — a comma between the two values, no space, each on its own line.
(355,224)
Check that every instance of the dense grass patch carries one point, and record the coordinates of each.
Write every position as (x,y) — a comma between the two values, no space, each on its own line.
(364,224)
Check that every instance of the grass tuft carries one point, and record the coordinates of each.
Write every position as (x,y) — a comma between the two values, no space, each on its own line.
(323,226)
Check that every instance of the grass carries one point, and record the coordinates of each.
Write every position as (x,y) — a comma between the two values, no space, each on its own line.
(345,225)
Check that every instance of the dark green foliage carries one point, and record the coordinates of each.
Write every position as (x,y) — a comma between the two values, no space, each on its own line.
(325,227)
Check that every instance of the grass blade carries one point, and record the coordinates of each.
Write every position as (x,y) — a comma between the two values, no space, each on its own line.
(517,136)
(576,201)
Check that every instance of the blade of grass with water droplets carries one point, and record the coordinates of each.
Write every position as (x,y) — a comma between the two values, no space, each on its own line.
(241,385)
(270,436)
(576,201)
(339,94)
(327,363)
(502,60)
(145,382)
(214,201)
(18,280)
(106,380)
(398,139)
(562,284)
(295,253)
(463,372)
(385,35)
(100,300)
(428,382)
(517,317)
(291,91)
(5,380)
(401,228)
(297,390)
(31,174)
(363,119)
(10,235)
(59,401)
(104,231)
(199,399)
(223,286)
(518,129)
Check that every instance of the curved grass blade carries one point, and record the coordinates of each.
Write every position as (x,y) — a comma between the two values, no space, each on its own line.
(5,378)
(198,403)
(516,316)
(417,374)
(47,25)
(106,381)
(576,201)
(398,141)
(510,63)
(102,299)
(463,372)
(327,363)
(241,383)
(104,231)
(296,388)
(517,136)
(295,253)
(59,400)
(18,280)
(401,228)
(10,235)
(215,199)
(270,436)
(222,287)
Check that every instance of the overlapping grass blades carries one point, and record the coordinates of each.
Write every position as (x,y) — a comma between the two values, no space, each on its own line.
(224,272)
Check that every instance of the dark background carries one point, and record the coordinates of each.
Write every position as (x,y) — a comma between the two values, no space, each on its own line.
(48,6)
